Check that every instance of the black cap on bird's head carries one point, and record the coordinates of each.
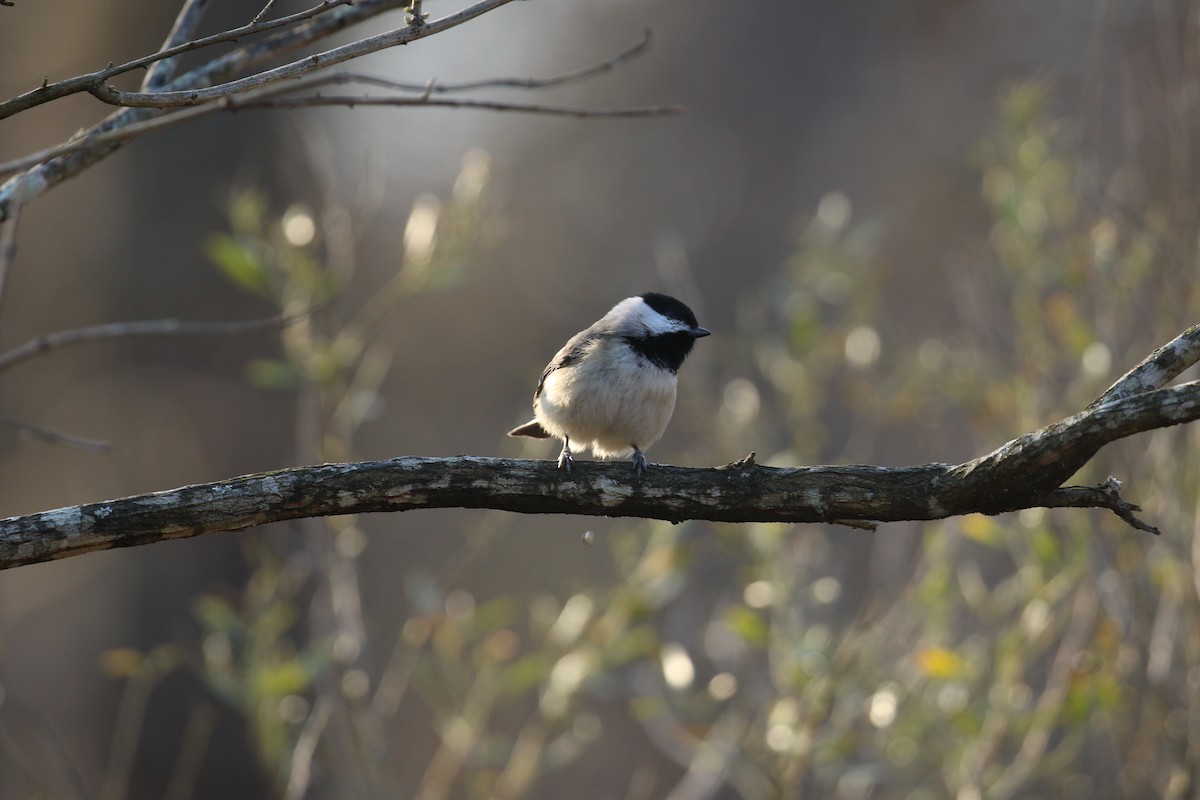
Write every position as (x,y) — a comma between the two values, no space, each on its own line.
(675,309)
(667,342)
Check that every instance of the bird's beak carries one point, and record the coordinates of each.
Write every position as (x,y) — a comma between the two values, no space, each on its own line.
(699,332)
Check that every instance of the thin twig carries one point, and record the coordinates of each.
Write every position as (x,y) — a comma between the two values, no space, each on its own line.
(55,437)
(1105,495)
(251,102)
(439,87)
(319,101)
(501,83)
(131,715)
(196,736)
(300,772)
(262,13)
(124,330)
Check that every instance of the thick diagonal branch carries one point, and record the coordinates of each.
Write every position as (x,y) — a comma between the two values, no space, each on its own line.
(1023,473)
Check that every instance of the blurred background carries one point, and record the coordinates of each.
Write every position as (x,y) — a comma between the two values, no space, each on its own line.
(917,230)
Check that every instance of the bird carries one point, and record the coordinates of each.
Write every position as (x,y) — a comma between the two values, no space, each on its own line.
(611,388)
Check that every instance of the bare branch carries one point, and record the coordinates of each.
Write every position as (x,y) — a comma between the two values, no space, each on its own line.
(267,98)
(52,171)
(316,101)
(740,492)
(55,437)
(557,80)
(265,10)
(51,166)
(1106,495)
(294,69)
(435,87)
(159,72)
(8,244)
(1157,369)
(125,330)
(188,18)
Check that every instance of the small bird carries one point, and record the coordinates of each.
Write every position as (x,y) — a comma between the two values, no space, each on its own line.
(611,388)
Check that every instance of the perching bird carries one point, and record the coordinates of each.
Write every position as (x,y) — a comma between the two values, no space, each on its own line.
(611,388)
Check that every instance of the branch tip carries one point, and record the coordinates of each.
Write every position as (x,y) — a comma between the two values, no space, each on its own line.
(860,524)
(1124,509)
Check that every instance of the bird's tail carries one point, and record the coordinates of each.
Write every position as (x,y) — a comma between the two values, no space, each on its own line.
(531,428)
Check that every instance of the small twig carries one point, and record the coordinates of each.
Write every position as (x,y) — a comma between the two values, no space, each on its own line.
(263,13)
(300,773)
(557,80)
(1105,495)
(434,86)
(250,101)
(9,3)
(124,330)
(860,524)
(123,744)
(196,735)
(413,15)
(49,436)
(320,101)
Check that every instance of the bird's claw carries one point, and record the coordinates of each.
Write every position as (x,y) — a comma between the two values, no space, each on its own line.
(565,461)
(639,462)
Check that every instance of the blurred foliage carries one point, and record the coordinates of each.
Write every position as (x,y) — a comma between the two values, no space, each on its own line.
(1039,654)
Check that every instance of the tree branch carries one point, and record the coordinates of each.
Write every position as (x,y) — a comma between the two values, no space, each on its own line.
(295,69)
(158,73)
(125,330)
(58,164)
(55,437)
(194,93)
(185,22)
(1021,474)
(316,101)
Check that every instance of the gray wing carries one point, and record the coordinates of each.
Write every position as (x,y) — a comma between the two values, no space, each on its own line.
(571,352)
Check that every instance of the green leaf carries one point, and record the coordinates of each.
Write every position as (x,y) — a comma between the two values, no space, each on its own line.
(282,679)
(1046,548)
(526,673)
(747,624)
(495,614)
(239,263)
(272,373)
(216,614)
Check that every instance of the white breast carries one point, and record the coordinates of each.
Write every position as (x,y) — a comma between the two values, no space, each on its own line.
(610,409)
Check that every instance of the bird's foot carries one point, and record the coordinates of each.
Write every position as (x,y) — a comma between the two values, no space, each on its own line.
(565,461)
(639,462)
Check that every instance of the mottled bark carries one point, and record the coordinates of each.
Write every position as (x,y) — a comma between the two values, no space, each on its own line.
(1026,472)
